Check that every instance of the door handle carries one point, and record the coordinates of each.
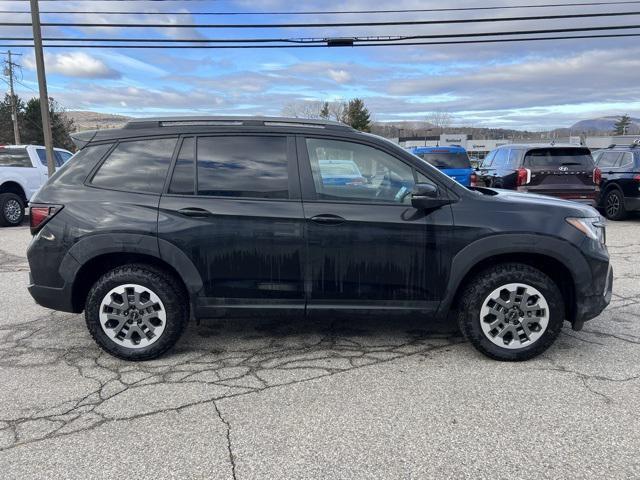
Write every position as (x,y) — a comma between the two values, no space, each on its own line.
(195,212)
(328,219)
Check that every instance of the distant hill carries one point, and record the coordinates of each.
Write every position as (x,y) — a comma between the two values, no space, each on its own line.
(83,120)
(604,124)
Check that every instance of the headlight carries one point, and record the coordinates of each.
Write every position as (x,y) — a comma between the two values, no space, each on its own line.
(592,227)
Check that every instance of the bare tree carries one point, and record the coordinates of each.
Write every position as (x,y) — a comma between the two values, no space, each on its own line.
(315,109)
(303,109)
(440,120)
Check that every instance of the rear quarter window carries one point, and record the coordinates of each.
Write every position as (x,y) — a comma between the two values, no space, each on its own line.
(136,166)
(14,157)
(557,157)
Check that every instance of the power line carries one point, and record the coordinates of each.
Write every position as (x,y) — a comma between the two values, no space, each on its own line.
(319,25)
(340,12)
(311,40)
(364,44)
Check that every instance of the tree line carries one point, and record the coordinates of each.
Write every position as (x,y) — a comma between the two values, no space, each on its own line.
(353,113)
(30,123)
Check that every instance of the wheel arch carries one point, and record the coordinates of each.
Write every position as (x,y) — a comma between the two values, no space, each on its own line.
(556,258)
(90,258)
(12,186)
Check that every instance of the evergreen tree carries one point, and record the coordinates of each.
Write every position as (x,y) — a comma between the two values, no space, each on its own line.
(61,126)
(6,123)
(622,125)
(324,111)
(357,115)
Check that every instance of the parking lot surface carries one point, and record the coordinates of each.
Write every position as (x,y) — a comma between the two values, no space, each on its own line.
(331,399)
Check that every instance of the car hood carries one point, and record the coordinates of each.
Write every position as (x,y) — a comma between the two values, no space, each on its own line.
(534,200)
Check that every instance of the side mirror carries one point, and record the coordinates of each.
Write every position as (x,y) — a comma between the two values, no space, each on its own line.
(425,196)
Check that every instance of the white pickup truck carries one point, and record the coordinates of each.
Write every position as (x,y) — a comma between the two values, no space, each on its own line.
(23,170)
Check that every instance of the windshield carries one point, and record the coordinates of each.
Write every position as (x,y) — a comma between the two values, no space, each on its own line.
(556,157)
(446,159)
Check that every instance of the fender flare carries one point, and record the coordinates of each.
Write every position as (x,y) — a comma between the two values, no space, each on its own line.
(487,247)
(93,246)
(15,179)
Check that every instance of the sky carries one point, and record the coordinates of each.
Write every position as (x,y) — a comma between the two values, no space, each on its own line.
(533,85)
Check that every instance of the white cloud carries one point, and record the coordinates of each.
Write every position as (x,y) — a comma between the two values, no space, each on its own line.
(339,76)
(75,64)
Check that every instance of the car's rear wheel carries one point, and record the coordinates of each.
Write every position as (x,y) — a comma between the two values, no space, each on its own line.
(614,205)
(11,210)
(136,312)
(511,312)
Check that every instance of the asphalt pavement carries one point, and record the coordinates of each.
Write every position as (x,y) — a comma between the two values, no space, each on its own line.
(265,399)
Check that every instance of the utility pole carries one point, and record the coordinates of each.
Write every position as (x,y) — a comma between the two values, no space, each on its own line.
(42,84)
(14,110)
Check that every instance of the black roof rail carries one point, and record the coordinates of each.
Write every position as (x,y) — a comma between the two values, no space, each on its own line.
(155,122)
(612,145)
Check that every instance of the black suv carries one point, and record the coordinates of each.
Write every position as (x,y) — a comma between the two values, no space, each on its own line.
(620,187)
(170,219)
(564,171)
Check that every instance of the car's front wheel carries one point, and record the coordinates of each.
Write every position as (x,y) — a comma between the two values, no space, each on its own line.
(511,312)
(136,312)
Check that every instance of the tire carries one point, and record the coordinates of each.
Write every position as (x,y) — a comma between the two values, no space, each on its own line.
(509,341)
(11,210)
(614,205)
(147,305)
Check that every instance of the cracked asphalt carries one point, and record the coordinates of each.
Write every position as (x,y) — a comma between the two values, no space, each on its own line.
(260,399)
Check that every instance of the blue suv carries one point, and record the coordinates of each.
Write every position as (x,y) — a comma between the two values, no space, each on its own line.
(452,160)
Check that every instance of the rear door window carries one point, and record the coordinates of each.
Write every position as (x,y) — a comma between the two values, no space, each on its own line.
(136,166)
(243,166)
(608,159)
(558,157)
(501,159)
(626,161)
(14,157)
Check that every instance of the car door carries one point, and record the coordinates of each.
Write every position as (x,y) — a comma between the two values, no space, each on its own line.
(606,161)
(623,172)
(486,171)
(233,208)
(369,250)
(500,162)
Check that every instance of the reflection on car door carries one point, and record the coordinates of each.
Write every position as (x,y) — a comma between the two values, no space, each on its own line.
(368,248)
(234,208)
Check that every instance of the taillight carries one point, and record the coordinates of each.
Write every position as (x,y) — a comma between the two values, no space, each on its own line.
(473,180)
(597,176)
(636,178)
(41,214)
(524,176)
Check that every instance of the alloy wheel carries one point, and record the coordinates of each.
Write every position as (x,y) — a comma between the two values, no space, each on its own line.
(514,316)
(613,204)
(12,210)
(132,316)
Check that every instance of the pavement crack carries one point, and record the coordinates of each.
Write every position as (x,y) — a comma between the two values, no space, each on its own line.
(227,425)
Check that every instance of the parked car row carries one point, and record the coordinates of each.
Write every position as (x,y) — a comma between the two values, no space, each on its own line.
(608,179)
(23,170)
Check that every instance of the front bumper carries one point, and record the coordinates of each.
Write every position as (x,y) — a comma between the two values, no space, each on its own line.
(590,306)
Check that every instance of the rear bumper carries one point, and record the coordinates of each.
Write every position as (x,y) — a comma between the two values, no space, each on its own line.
(589,197)
(50,297)
(632,204)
